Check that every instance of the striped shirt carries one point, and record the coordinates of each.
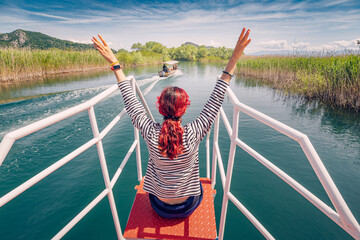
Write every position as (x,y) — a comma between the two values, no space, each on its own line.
(178,177)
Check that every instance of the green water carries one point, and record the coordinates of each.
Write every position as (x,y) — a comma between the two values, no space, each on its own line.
(44,209)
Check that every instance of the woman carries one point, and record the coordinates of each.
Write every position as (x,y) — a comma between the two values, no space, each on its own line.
(172,175)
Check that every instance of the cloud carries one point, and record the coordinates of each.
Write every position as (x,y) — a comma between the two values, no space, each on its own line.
(49,16)
(339,45)
(274,44)
(301,45)
(283,45)
(330,3)
(214,44)
(80,41)
(320,21)
(345,44)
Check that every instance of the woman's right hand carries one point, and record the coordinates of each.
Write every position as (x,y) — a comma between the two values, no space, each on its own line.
(104,49)
(241,44)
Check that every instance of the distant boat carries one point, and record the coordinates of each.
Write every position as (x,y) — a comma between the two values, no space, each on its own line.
(168,70)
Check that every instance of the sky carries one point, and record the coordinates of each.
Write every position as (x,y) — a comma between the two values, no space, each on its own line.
(292,25)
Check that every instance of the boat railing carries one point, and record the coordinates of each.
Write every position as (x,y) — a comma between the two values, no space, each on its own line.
(11,137)
(342,216)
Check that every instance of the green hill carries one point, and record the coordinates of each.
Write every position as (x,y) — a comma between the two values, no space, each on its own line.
(35,40)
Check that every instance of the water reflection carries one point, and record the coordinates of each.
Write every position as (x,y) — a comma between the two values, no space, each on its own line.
(336,128)
(341,121)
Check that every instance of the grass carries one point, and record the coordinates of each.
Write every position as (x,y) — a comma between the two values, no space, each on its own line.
(25,63)
(20,64)
(332,79)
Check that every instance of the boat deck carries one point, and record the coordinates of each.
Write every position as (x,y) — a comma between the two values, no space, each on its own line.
(145,223)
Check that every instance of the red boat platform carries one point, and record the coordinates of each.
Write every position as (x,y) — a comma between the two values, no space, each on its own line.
(145,223)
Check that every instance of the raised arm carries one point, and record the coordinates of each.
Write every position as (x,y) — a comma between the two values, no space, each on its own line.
(202,124)
(133,107)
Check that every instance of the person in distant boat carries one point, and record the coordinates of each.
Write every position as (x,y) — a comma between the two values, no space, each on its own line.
(172,175)
(174,67)
(165,68)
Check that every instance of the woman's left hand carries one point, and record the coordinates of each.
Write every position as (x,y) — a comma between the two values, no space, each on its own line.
(104,49)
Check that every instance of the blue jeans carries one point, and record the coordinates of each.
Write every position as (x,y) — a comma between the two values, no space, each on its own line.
(180,210)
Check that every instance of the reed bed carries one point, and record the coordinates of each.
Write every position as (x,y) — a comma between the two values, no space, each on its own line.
(335,80)
(20,64)
(16,64)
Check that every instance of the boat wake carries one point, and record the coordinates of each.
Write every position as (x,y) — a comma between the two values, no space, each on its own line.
(177,73)
(20,113)
(148,80)
(149,88)
(16,114)
(154,80)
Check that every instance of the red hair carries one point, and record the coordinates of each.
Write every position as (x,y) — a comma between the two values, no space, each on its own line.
(172,104)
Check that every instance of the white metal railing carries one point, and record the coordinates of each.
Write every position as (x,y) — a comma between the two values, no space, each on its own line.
(342,216)
(11,137)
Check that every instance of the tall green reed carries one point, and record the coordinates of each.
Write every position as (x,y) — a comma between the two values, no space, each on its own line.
(332,79)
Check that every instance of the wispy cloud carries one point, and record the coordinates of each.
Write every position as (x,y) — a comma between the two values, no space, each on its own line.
(274,45)
(339,45)
(301,45)
(274,24)
(81,41)
(305,46)
(49,16)
(330,3)
(214,44)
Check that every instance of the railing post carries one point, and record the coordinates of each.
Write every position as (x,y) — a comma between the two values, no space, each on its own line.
(137,138)
(214,155)
(208,154)
(348,220)
(105,172)
(229,172)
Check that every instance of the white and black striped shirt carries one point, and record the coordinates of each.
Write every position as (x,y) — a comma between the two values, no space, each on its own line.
(178,177)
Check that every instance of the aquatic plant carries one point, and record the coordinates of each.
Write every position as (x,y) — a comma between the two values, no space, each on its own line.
(334,79)
(23,63)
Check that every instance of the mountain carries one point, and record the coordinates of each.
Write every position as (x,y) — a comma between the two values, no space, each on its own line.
(196,45)
(35,40)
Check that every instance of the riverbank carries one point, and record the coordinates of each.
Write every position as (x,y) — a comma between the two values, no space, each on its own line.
(24,64)
(19,65)
(334,80)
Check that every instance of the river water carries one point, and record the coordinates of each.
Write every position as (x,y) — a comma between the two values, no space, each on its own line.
(44,209)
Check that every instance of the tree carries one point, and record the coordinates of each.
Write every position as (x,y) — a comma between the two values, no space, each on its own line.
(202,51)
(358,43)
(185,52)
(165,54)
(137,46)
(158,48)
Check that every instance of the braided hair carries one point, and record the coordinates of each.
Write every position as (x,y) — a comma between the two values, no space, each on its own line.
(172,104)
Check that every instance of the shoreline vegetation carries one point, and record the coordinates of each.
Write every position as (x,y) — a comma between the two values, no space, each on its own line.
(333,79)
(25,64)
